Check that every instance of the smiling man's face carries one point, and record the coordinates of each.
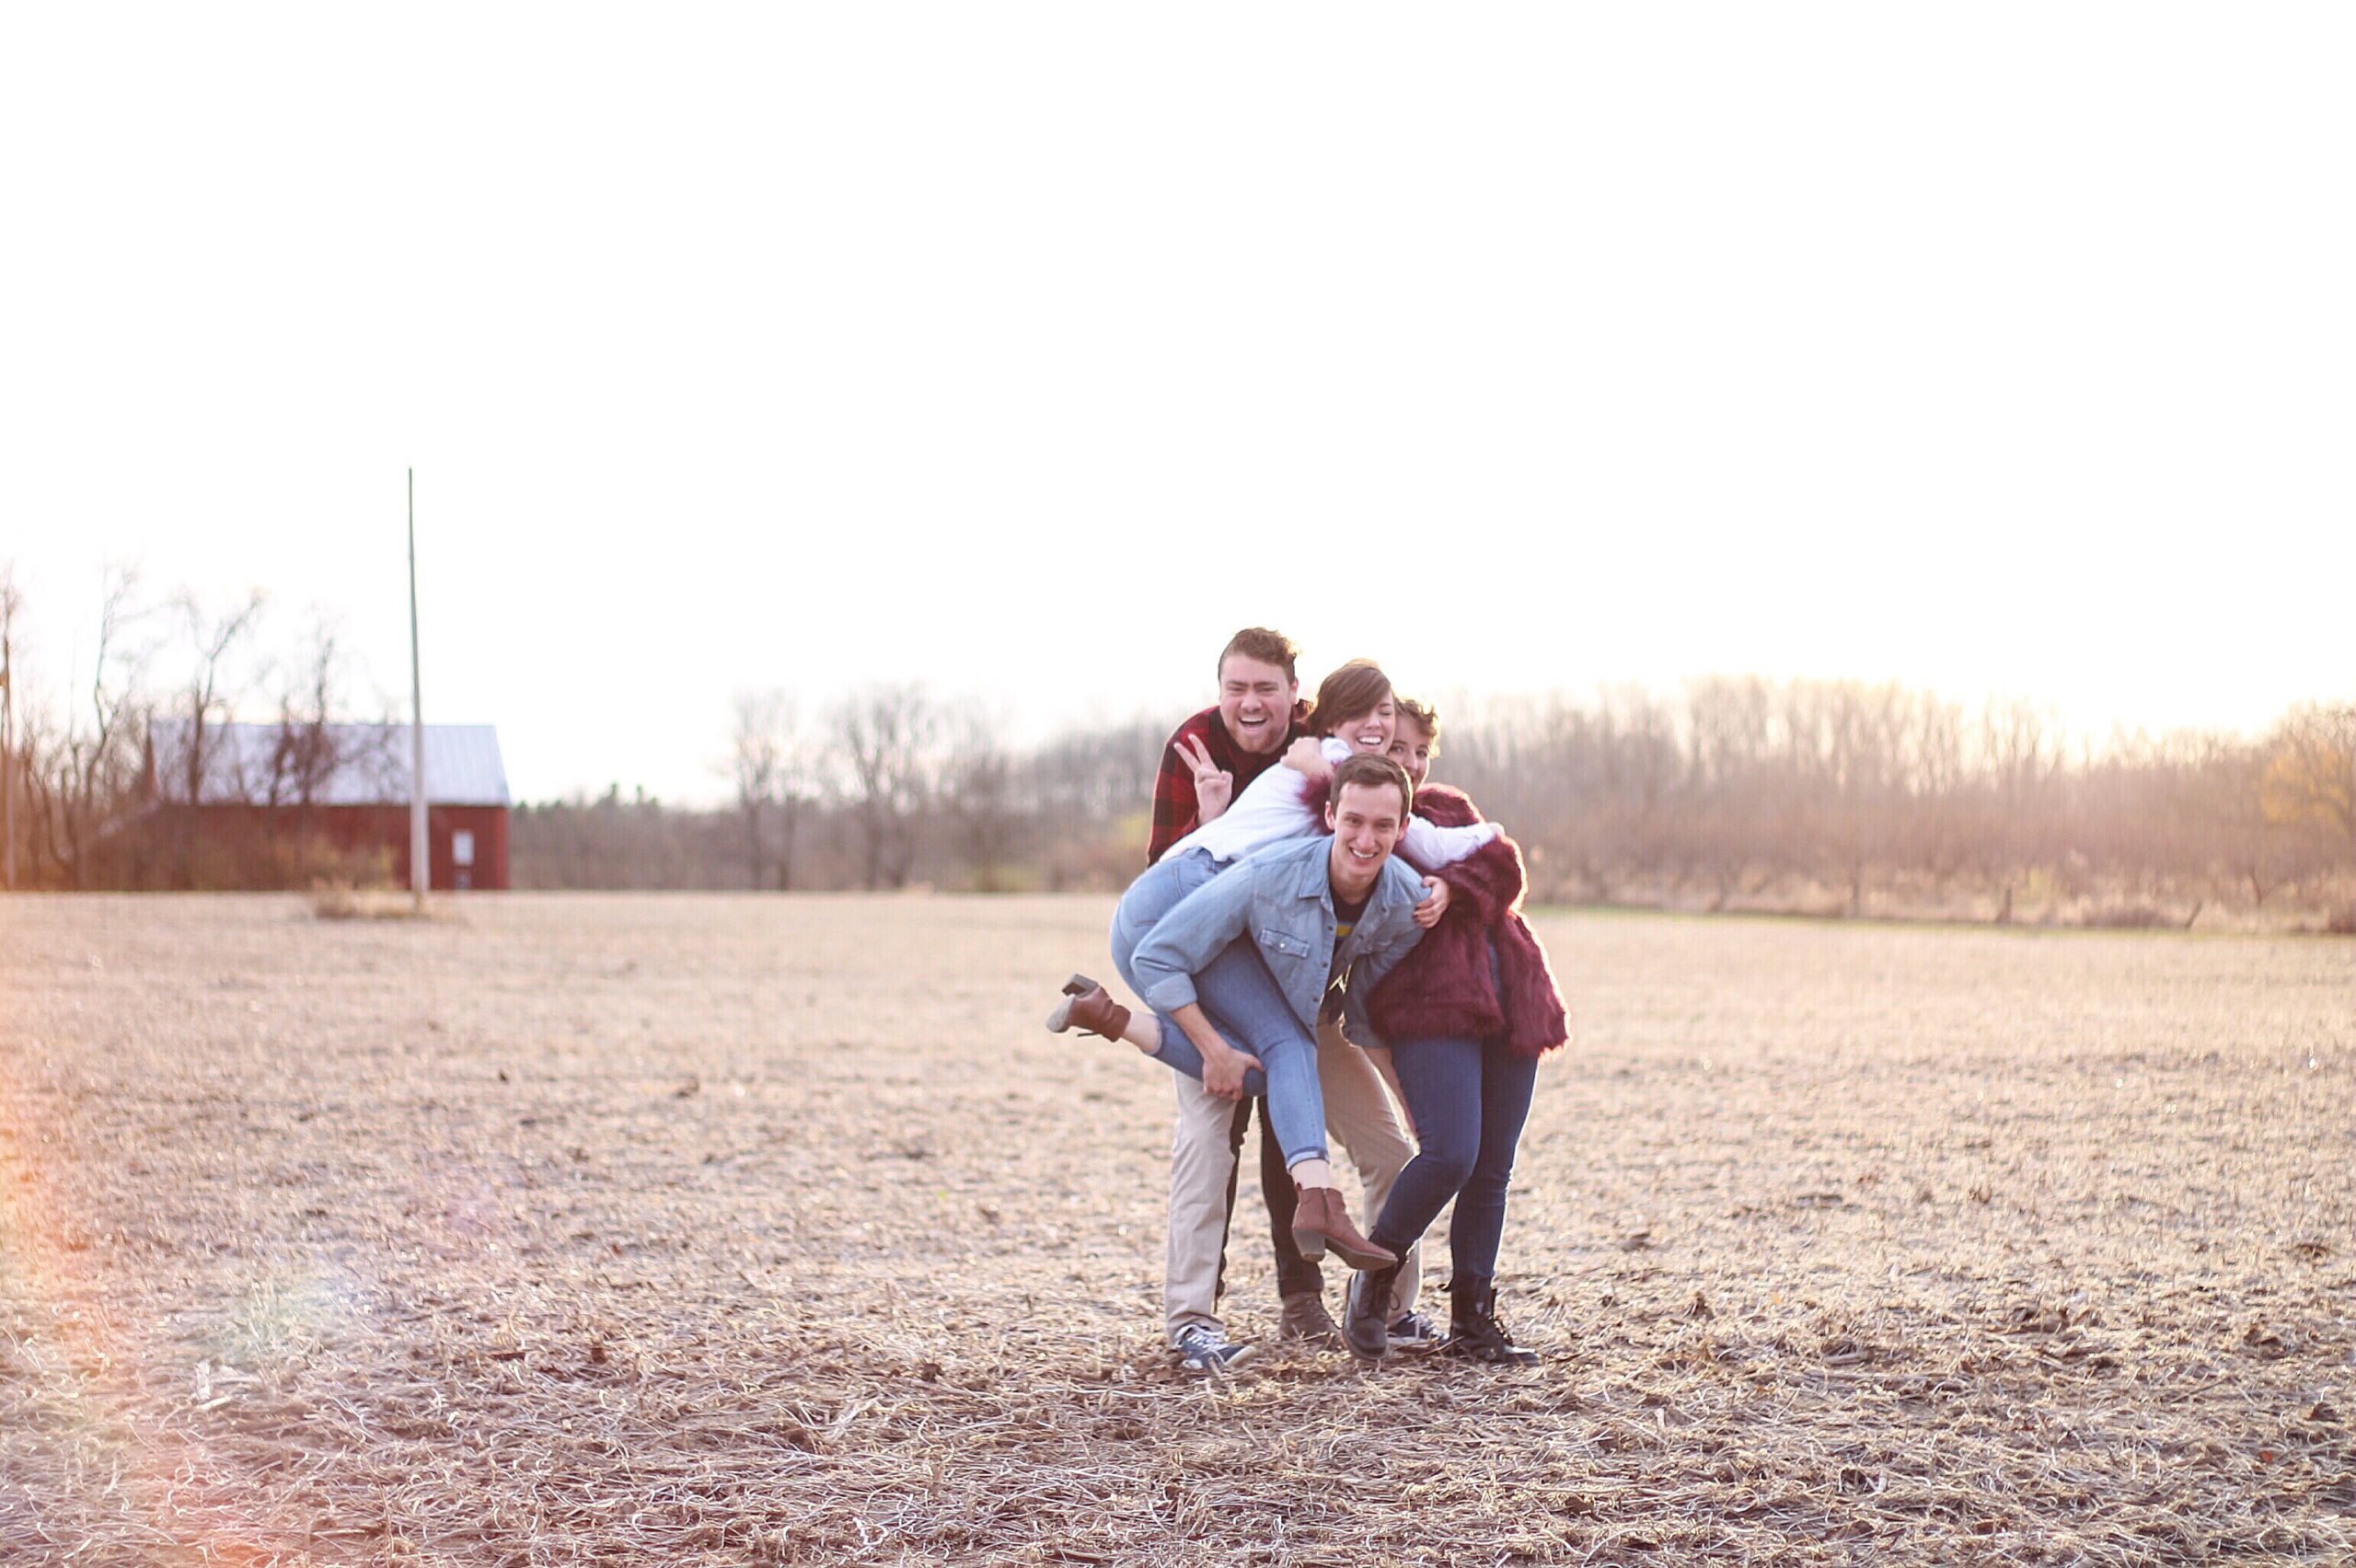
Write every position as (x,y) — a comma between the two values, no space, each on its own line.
(1255,700)
(1367,821)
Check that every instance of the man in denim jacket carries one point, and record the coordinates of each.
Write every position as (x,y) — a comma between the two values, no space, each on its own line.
(1240,971)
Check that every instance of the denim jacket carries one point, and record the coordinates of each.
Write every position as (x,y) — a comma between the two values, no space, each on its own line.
(1283,899)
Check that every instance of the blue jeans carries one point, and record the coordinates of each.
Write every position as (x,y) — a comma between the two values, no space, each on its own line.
(1470,1098)
(1150,897)
(1242,1001)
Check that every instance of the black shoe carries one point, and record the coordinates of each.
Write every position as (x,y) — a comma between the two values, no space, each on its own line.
(1367,1321)
(1475,1332)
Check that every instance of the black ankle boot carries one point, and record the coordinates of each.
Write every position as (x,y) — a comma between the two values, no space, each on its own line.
(1474,1332)
(1366,1323)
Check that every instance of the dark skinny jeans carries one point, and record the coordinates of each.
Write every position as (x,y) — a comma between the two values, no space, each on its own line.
(1470,1098)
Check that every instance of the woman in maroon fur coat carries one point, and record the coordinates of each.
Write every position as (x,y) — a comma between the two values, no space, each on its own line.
(1467,1013)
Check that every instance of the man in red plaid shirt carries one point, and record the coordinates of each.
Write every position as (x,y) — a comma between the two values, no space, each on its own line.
(1204,765)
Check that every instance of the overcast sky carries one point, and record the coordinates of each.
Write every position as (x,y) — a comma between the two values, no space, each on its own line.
(1030,351)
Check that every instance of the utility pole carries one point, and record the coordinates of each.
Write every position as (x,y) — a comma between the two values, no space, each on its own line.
(419,869)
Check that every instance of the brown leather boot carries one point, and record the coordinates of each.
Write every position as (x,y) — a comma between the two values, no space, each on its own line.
(1305,1318)
(1090,1008)
(1322,1219)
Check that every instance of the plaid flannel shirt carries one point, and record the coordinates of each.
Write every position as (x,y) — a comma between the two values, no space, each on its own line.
(1175,810)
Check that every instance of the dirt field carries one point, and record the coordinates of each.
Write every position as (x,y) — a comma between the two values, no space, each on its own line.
(661,1229)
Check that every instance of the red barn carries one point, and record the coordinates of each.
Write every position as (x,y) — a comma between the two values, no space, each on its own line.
(347,785)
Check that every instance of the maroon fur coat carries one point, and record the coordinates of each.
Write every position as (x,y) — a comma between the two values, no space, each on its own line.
(1444,986)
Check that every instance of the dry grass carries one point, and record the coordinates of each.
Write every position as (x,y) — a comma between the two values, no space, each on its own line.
(333,900)
(735,1230)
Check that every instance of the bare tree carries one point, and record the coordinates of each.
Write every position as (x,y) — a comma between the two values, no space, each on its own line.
(2215,790)
(887,734)
(92,766)
(978,793)
(40,743)
(1091,789)
(303,757)
(1098,775)
(801,773)
(309,748)
(756,766)
(204,701)
(775,770)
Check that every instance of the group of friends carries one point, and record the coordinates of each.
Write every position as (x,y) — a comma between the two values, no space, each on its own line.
(1323,932)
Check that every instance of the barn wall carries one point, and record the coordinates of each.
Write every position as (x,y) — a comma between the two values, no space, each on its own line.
(488,824)
(385,829)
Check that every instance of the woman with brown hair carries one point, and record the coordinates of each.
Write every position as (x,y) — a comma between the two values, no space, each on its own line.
(1466,1016)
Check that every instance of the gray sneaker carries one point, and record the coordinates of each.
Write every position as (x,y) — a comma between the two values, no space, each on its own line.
(1412,1330)
(1205,1349)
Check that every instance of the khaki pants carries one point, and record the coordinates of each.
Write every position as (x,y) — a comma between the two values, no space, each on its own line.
(1359,1113)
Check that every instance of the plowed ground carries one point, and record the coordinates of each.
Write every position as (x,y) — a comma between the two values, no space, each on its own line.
(651,1229)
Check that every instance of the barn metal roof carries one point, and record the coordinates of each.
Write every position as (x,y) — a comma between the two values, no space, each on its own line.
(364,765)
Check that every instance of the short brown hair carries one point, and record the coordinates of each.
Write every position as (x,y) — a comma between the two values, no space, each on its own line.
(1268,647)
(1374,770)
(1426,716)
(1350,692)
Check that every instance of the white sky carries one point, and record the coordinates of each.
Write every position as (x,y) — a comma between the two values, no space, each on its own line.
(1032,350)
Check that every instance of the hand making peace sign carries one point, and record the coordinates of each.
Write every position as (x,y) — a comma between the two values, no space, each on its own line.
(1214,786)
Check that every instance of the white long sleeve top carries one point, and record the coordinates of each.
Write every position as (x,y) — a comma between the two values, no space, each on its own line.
(1277,806)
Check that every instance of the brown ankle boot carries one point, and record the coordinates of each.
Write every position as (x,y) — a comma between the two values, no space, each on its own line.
(1090,1008)
(1321,1219)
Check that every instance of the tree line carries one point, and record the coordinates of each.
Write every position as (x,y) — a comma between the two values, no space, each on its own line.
(1733,793)
(886,788)
(1842,797)
(1738,793)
